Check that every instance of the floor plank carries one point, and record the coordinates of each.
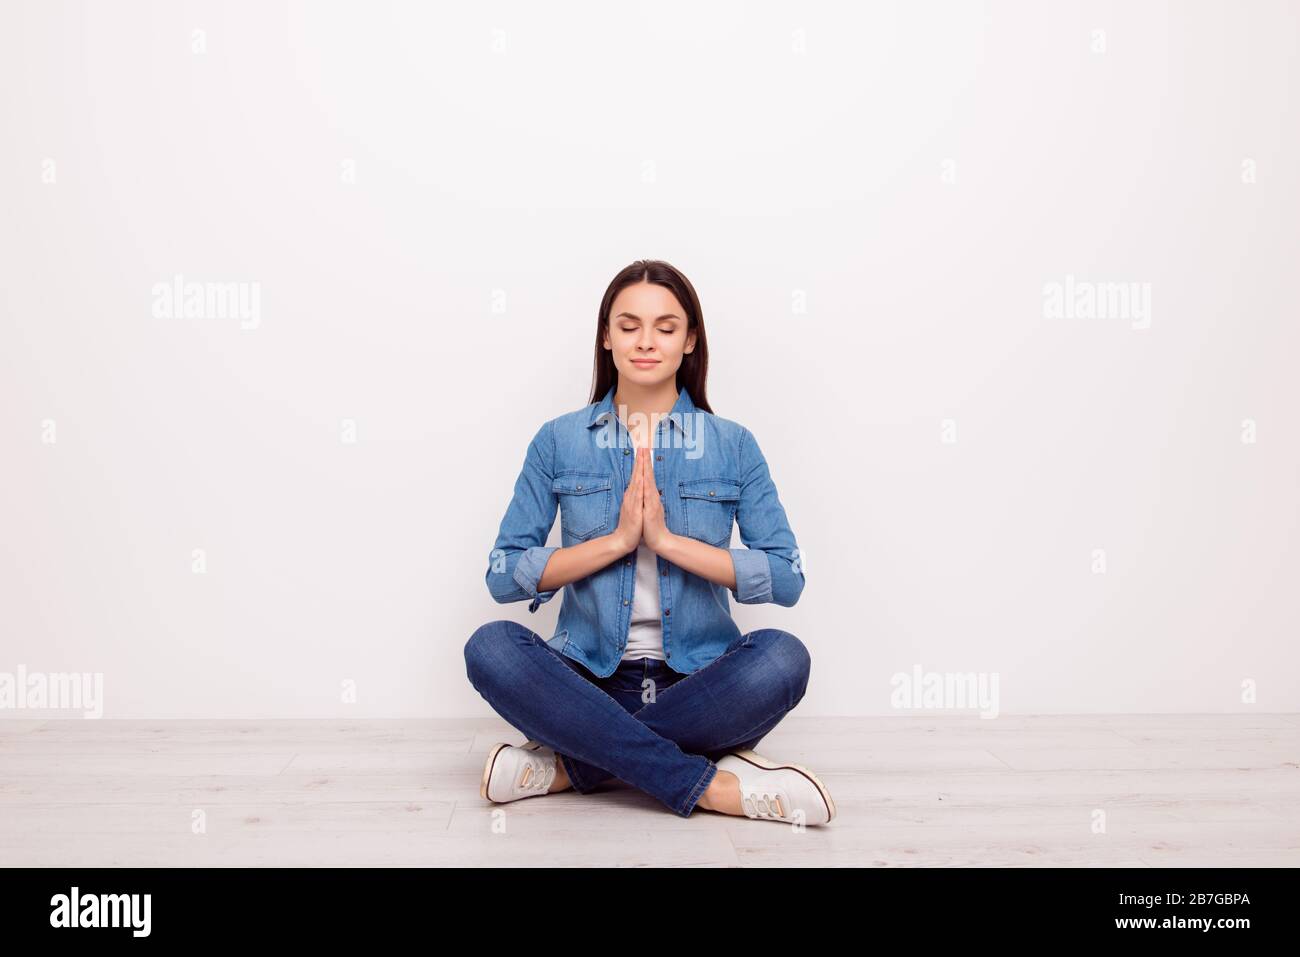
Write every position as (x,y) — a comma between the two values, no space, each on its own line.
(933,790)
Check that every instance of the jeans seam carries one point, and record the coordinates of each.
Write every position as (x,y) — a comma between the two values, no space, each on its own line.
(688,805)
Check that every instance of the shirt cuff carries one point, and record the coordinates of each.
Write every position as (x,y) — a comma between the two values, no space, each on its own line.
(753,575)
(528,572)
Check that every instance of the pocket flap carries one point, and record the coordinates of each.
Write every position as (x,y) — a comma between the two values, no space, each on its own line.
(712,490)
(574,484)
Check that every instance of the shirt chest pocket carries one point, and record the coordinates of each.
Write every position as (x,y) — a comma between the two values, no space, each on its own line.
(585,502)
(709,507)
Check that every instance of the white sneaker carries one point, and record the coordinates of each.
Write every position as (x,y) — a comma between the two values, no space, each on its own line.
(513,772)
(778,792)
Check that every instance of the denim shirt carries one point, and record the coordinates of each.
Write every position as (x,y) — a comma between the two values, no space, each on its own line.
(709,472)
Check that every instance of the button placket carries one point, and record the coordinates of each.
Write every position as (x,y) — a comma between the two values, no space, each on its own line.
(664,473)
(620,464)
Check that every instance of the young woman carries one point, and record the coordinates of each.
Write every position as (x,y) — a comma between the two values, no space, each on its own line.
(647,678)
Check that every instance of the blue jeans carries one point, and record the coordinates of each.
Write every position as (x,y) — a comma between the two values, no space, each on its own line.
(652,727)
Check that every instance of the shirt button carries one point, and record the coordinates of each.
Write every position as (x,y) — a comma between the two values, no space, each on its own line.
(580,489)
(659,458)
(667,611)
(627,452)
(628,562)
(710,490)
(625,601)
(665,572)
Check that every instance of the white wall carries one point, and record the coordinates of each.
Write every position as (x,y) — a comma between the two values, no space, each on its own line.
(869,203)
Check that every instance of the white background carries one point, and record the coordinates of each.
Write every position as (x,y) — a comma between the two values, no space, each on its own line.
(779,154)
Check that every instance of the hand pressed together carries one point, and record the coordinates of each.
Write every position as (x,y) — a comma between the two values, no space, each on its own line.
(641,518)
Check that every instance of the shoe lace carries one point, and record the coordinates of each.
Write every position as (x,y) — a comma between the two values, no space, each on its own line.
(761,804)
(533,779)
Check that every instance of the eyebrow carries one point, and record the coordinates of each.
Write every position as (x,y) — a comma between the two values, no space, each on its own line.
(667,315)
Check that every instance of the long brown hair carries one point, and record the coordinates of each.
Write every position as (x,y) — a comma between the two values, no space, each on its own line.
(694,370)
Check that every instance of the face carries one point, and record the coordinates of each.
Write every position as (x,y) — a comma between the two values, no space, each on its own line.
(647,334)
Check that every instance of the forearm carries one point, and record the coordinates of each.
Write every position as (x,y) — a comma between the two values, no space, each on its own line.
(578,561)
(700,558)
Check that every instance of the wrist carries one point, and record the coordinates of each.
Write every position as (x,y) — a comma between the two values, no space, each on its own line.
(668,547)
(617,546)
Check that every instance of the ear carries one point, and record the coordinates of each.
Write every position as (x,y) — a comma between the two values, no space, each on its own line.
(690,342)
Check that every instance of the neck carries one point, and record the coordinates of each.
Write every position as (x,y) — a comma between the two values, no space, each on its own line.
(642,406)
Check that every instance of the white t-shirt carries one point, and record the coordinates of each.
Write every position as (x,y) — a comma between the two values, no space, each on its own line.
(645,636)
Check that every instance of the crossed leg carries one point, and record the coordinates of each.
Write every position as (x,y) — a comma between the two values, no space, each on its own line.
(667,747)
(728,705)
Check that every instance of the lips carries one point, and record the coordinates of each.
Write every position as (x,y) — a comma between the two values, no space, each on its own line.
(645,362)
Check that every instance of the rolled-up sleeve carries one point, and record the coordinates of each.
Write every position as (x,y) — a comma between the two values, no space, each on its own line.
(520,553)
(528,572)
(768,568)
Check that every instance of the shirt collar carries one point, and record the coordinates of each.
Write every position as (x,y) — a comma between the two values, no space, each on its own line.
(604,410)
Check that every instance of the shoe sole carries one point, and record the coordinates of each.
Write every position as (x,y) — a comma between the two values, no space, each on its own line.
(759,761)
(487,769)
(491,761)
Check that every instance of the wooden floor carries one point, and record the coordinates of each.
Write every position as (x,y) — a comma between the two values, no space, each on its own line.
(1175,790)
